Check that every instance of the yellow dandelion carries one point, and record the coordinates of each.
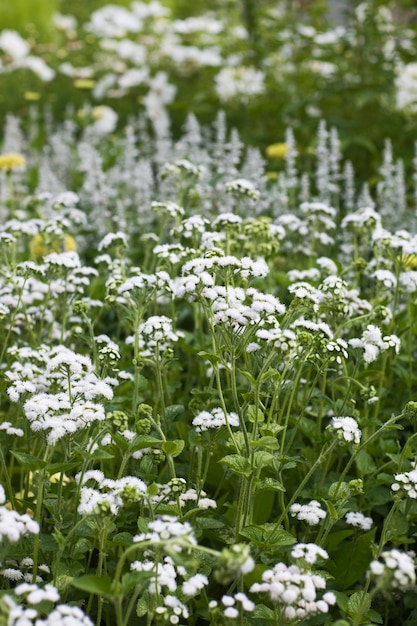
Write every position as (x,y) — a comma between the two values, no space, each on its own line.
(11,161)
(277,150)
(41,245)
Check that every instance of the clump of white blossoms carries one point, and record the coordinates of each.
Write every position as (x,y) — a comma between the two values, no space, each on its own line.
(242,187)
(406,482)
(359,520)
(108,495)
(406,84)
(309,552)
(215,418)
(310,513)
(32,595)
(13,525)
(295,590)
(167,528)
(63,394)
(233,605)
(373,343)
(156,335)
(397,569)
(347,429)
(239,83)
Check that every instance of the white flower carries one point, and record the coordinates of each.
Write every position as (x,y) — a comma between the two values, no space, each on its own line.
(215,418)
(359,520)
(239,83)
(406,482)
(397,568)
(310,552)
(347,429)
(311,513)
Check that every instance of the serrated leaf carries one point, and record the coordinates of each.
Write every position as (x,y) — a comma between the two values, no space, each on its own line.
(122,539)
(30,462)
(357,600)
(270,484)
(142,607)
(92,583)
(237,464)
(262,458)
(173,448)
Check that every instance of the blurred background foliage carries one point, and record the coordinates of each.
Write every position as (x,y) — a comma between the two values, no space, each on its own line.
(361,109)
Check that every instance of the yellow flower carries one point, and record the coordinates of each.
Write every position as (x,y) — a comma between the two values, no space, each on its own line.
(41,245)
(408,261)
(84,83)
(32,95)
(11,161)
(277,150)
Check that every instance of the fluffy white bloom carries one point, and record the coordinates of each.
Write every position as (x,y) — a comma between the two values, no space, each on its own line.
(104,120)
(406,84)
(359,520)
(406,482)
(215,418)
(296,590)
(311,513)
(310,552)
(372,342)
(397,569)
(12,44)
(347,429)
(194,584)
(239,83)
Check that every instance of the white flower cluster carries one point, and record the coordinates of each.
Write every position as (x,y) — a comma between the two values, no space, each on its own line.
(23,570)
(373,343)
(13,526)
(164,574)
(109,495)
(62,392)
(157,335)
(359,520)
(166,528)
(406,482)
(33,595)
(406,84)
(296,590)
(231,605)
(311,513)
(397,569)
(239,83)
(172,610)
(309,552)
(215,418)
(347,429)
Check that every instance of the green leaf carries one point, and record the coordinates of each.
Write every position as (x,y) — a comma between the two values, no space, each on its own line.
(332,510)
(264,612)
(142,607)
(92,583)
(56,468)
(174,412)
(122,539)
(356,600)
(254,414)
(269,484)
(30,462)
(237,464)
(364,462)
(213,358)
(262,459)
(173,448)
(351,559)
(269,443)
(132,579)
(144,441)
